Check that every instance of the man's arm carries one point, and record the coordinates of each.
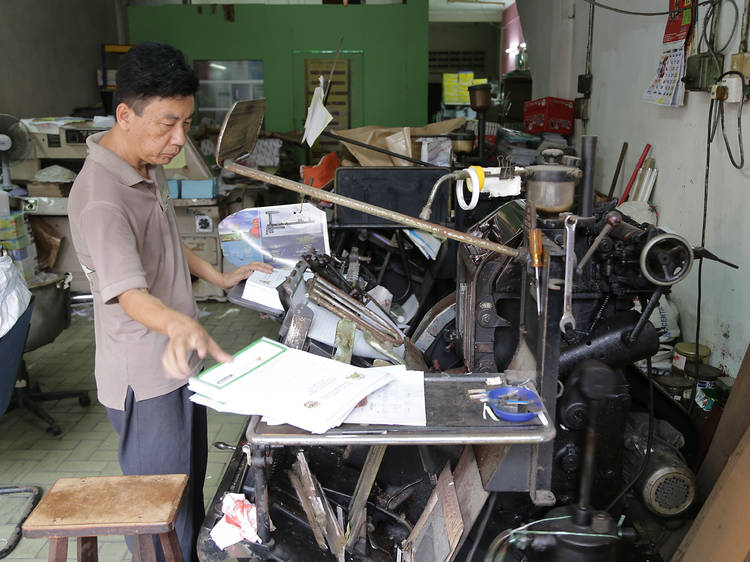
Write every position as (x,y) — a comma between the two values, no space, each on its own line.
(204,270)
(185,333)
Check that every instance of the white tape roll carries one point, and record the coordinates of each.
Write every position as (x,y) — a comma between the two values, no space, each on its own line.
(474,187)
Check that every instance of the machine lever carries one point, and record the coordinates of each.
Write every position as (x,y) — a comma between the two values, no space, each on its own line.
(613,219)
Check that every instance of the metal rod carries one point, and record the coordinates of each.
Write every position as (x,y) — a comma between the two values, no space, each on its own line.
(588,154)
(646,314)
(331,135)
(618,168)
(370,209)
(635,173)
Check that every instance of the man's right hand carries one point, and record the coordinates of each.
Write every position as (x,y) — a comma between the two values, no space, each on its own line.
(186,335)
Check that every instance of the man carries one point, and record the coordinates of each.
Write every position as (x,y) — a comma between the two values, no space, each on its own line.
(148,340)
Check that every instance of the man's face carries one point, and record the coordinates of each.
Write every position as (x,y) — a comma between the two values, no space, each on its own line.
(158,133)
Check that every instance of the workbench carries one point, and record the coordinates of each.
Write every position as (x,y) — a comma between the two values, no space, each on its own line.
(452,419)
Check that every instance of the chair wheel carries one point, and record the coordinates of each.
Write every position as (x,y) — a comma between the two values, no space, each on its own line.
(84,400)
(54,429)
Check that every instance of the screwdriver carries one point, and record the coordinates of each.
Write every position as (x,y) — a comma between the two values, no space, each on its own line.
(536,251)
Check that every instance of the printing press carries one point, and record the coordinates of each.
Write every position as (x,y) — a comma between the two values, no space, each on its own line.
(543,441)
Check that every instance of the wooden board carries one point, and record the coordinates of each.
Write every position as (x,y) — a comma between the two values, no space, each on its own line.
(720,532)
(469,491)
(734,421)
(436,535)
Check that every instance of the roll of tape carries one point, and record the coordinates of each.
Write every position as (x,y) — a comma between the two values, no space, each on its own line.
(475,187)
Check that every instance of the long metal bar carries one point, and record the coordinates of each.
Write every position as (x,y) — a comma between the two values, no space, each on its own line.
(370,209)
(361,144)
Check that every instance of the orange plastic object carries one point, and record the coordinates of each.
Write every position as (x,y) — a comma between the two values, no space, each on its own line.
(322,173)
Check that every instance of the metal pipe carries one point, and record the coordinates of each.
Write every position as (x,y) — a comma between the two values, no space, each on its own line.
(590,41)
(588,154)
(745,27)
(370,209)
(427,209)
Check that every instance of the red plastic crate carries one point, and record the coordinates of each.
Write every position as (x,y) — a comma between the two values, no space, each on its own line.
(548,115)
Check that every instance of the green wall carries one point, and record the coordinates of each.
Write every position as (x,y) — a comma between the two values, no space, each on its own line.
(387,45)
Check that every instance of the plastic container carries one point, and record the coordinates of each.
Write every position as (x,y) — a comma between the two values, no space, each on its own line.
(684,352)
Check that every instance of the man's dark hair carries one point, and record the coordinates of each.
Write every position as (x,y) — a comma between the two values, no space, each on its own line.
(153,70)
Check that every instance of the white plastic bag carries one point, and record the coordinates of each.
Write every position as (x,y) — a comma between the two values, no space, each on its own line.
(14,295)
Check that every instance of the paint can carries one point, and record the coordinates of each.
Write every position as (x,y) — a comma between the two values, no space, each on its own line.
(704,378)
(684,353)
(679,388)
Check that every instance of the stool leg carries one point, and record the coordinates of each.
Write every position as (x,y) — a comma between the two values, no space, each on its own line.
(58,549)
(87,549)
(143,548)
(171,546)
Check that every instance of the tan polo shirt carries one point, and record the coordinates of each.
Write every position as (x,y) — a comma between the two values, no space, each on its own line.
(125,234)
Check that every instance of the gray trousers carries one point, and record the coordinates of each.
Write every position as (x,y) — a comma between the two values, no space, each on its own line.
(167,435)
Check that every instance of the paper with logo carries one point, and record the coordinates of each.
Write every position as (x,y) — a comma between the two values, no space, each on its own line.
(288,385)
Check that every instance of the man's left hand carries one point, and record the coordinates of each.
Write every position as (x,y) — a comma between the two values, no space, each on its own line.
(231,278)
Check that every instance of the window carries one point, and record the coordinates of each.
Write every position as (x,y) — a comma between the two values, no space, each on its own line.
(223,82)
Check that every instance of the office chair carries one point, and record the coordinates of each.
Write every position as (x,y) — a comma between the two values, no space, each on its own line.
(11,349)
(51,316)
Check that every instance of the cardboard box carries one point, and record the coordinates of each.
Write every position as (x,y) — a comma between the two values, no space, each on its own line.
(465,78)
(16,243)
(13,226)
(48,189)
(28,267)
(175,188)
(21,254)
(548,115)
(199,189)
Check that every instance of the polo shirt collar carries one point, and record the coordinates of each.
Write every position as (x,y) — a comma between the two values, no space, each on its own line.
(121,169)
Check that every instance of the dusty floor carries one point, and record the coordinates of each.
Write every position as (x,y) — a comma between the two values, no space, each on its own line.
(29,456)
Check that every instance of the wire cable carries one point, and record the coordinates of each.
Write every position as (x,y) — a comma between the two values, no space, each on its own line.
(632,13)
(741,163)
(649,439)
(482,526)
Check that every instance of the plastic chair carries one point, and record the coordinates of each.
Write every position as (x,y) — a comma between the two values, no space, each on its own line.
(11,349)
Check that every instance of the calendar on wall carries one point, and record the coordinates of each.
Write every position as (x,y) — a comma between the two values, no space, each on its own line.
(666,88)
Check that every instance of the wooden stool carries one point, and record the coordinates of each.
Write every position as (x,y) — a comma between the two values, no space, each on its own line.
(141,506)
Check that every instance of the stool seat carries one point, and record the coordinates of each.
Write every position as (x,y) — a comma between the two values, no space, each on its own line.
(109,505)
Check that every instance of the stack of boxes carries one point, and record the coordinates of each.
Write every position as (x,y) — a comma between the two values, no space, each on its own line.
(17,239)
(456,87)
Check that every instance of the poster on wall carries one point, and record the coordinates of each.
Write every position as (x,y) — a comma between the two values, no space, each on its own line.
(666,88)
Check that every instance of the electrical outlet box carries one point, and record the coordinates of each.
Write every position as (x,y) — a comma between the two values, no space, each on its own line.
(701,72)
(584,84)
(734,86)
(741,63)
(719,92)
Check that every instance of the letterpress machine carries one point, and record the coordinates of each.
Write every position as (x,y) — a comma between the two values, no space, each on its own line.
(541,324)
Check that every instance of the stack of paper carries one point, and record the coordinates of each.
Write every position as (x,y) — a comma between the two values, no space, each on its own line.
(287,385)
(400,402)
